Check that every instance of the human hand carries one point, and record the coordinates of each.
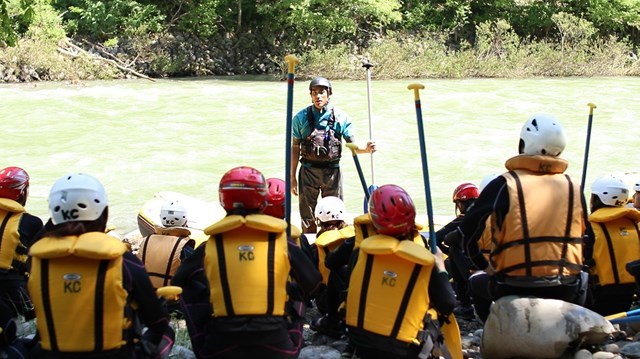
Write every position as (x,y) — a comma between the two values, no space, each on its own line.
(371,147)
(439,259)
(294,185)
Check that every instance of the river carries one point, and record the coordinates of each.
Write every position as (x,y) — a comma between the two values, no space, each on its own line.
(141,137)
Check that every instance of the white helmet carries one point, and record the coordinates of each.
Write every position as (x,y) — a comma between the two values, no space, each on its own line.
(542,134)
(173,214)
(485,181)
(77,197)
(611,190)
(330,208)
(636,186)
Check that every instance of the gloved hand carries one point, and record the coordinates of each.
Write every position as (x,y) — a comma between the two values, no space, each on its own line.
(157,347)
(453,238)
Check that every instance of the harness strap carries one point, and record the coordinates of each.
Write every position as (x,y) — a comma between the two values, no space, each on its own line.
(612,254)
(4,226)
(567,232)
(167,273)
(365,288)
(271,272)
(224,279)
(99,304)
(405,300)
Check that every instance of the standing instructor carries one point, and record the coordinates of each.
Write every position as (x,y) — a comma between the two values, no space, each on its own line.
(317,132)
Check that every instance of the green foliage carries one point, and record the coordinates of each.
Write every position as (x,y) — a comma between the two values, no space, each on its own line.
(105,19)
(496,39)
(15,17)
(46,25)
(202,19)
(614,16)
(575,33)
(318,23)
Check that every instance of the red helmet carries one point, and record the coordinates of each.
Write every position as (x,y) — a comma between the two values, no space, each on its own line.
(14,182)
(275,197)
(392,210)
(243,187)
(465,192)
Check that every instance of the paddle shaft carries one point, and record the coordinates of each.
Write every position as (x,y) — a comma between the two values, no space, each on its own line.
(623,314)
(586,148)
(367,65)
(291,61)
(425,168)
(353,147)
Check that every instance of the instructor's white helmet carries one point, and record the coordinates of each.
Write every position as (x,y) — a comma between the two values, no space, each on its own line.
(173,214)
(330,208)
(77,197)
(611,190)
(542,134)
(636,186)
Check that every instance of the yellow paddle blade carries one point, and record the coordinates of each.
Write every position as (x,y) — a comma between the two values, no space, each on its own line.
(169,292)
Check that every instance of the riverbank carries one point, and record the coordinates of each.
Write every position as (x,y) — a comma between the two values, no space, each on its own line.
(184,55)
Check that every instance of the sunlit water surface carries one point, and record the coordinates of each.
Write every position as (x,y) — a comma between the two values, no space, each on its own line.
(140,137)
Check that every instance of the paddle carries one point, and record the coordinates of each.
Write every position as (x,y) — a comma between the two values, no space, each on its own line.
(621,315)
(425,168)
(291,60)
(368,65)
(353,147)
(586,149)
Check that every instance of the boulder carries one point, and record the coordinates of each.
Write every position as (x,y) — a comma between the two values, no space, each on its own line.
(540,328)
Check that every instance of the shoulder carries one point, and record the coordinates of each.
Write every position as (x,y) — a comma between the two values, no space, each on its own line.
(302,114)
(339,113)
(32,222)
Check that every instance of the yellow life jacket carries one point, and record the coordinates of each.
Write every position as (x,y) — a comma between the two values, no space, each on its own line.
(541,235)
(77,290)
(160,254)
(295,234)
(247,265)
(13,253)
(486,239)
(617,242)
(329,241)
(388,288)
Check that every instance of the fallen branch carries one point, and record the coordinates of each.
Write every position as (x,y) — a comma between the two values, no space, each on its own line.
(84,52)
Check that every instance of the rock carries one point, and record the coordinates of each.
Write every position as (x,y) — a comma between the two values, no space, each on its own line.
(583,354)
(540,328)
(603,355)
(631,350)
(319,352)
(182,352)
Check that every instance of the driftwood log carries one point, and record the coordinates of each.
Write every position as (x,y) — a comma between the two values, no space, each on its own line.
(67,48)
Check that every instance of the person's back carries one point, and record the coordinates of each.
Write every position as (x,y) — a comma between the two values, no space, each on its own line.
(537,219)
(83,282)
(17,233)
(393,284)
(163,251)
(457,263)
(236,297)
(334,233)
(616,243)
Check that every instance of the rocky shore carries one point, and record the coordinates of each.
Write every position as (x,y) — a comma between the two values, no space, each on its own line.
(166,55)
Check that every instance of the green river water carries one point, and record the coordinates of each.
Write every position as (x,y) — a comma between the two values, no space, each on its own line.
(140,137)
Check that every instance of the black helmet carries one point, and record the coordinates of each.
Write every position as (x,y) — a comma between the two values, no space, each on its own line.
(321,81)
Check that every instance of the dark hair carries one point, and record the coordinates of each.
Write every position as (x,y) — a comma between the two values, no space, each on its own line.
(76,228)
(331,225)
(596,203)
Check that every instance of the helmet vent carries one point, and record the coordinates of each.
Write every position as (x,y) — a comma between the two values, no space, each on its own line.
(82,205)
(535,124)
